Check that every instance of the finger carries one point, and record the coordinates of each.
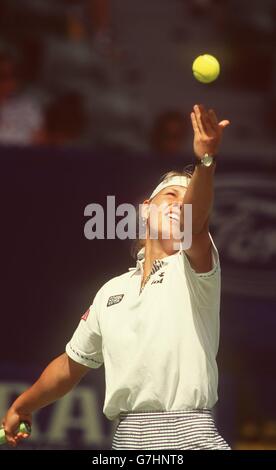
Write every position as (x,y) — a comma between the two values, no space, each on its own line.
(202,108)
(11,440)
(224,123)
(206,122)
(10,436)
(22,435)
(213,118)
(194,124)
(197,113)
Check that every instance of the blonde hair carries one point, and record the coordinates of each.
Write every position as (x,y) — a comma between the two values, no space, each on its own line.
(140,243)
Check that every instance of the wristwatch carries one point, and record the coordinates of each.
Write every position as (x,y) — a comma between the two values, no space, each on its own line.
(206,160)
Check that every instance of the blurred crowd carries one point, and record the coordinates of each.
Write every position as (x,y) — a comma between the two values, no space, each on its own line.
(40,102)
(67,78)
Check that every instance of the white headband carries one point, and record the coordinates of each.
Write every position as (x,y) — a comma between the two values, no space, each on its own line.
(174,180)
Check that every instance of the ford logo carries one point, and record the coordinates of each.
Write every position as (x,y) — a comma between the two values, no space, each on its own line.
(244,227)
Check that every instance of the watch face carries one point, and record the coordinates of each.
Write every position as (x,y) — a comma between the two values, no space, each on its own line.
(207,160)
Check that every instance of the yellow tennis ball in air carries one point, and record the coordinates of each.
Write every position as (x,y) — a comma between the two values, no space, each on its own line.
(206,68)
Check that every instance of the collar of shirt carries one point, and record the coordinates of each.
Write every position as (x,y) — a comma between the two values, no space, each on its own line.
(140,262)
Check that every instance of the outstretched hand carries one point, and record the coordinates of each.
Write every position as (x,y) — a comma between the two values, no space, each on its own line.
(207,130)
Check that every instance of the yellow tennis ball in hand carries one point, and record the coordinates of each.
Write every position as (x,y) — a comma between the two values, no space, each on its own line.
(206,68)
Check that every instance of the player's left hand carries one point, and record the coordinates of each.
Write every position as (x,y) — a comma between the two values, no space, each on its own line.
(207,130)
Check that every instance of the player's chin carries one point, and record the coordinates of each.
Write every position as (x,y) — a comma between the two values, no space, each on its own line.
(171,235)
(174,231)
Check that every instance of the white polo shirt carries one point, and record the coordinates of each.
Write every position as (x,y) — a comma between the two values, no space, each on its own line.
(159,346)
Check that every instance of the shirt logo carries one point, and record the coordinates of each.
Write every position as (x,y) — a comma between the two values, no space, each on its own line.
(114,299)
(159,281)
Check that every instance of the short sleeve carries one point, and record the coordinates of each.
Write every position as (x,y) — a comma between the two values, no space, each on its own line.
(85,346)
(206,286)
(215,262)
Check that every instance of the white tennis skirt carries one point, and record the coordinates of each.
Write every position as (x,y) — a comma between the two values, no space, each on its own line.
(182,430)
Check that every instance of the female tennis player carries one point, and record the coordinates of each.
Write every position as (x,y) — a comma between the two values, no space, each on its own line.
(156,327)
